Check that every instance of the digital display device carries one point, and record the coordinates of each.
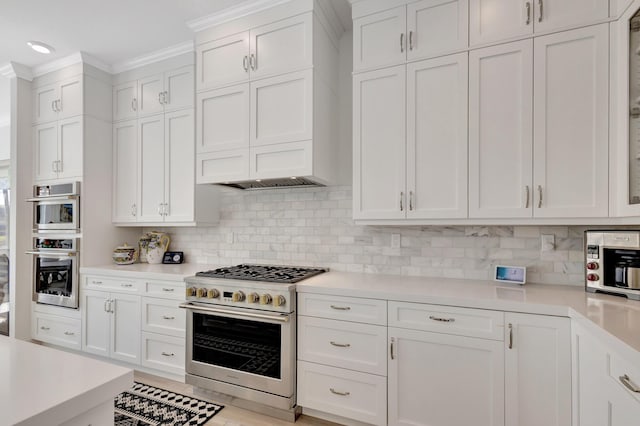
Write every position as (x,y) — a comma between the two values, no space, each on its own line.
(510,274)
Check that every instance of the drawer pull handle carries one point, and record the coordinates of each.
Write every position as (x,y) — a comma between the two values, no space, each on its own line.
(168,318)
(167,354)
(69,333)
(510,336)
(167,289)
(626,381)
(341,345)
(431,317)
(42,327)
(393,356)
(335,392)
(126,285)
(341,308)
(96,282)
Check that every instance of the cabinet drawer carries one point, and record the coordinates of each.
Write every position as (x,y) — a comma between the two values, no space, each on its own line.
(58,331)
(165,289)
(164,353)
(360,347)
(447,319)
(163,316)
(621,371)
(370,311)
(122,285)
(346,393)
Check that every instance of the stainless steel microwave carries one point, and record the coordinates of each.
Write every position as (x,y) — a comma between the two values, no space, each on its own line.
(56,207)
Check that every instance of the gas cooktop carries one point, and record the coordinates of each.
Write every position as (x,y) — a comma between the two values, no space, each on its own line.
(266,273)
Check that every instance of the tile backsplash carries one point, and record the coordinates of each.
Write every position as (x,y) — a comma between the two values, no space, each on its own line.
(313,227)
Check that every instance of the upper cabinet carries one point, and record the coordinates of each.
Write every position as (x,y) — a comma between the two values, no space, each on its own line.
(419,30)
(154,94)
(266,102)
(58,100)
(496,20)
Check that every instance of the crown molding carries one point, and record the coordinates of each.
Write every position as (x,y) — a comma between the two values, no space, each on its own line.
(13,69)
(150,58)
(229,14)
(75,58)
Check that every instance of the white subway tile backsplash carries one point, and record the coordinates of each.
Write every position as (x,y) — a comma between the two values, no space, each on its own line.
(313,227)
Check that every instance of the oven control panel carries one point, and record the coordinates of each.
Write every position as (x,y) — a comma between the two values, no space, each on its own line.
(263,299)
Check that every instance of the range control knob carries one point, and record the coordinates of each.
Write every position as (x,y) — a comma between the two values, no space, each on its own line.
(279,301)
(265,299)
(593,277)
(592,266)
(191,291)
(253,298)
(238,296)
(201,292)
(213,294)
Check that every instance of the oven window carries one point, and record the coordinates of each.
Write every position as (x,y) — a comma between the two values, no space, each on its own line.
(243,345)
(53,276)
(54,213)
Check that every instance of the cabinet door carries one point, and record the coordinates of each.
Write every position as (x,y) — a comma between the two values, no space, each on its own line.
(44,98)
(282,109)
(150,94)
(125,171)
(380,39)
(445,380)
(590,365)
(223,166)
(222,119)
(178,85)
(223,61)
(125,328)
(493,20)
(283,46)
(45,151)
(70,138)
(623,409)
(379,144)
(537,357)
(571,123)
(558,14)
(437,26)
(125,101)
(96,322)
(437,137)
(70,98)
(501,130)
(179,166)
(151,153)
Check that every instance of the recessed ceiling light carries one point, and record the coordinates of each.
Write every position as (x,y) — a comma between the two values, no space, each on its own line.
(40,47)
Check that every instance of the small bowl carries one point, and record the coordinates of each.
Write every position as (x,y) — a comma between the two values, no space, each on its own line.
(125,255)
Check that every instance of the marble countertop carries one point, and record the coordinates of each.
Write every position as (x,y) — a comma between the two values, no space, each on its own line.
(608,316)
(149,271)
(41,385)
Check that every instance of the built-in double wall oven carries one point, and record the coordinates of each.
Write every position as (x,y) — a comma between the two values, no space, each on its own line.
(56,240)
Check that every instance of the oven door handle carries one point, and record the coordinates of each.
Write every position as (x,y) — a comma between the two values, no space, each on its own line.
(227,312)
(51,254)
(52,198)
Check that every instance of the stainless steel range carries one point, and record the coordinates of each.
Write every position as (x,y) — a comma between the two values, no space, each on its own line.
(241,334)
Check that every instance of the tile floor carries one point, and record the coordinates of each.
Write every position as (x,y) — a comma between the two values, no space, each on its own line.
(230,415)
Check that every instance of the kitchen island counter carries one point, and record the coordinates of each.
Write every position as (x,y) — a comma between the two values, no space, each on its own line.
(45,386)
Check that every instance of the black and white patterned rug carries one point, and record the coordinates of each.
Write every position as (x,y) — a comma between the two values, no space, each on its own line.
(144,405)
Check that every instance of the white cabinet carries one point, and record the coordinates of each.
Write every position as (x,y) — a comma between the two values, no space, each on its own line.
(537,357)
(58,101)
(399,152)
(494,20)
(540,150)
(58,149)
(222,119)
(445,380)
(125,170)
(267,50)
(111,325)
(57,330)
(342,362)
(162,92)
(422,29)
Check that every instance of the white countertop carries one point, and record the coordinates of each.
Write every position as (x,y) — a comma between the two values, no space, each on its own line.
(157,271)
(616,316)
(41,385)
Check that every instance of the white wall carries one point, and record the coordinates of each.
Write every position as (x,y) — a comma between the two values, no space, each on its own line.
(4,118)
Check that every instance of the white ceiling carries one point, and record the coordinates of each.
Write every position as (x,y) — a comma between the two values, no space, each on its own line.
(112,31)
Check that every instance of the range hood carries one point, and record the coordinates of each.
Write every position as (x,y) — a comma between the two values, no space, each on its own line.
(290,182)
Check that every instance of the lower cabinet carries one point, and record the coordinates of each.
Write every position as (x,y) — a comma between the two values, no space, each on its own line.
(57,330)
(111,325)
(607,386)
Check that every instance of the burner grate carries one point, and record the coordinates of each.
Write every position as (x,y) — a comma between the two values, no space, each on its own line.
(267,273)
